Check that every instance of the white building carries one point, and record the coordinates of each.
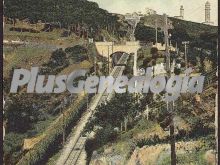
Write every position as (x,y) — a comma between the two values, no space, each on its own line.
(181,16)
(134,15)
(149,11)
(207,14)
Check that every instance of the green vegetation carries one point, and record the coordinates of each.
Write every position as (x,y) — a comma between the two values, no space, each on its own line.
(193,28)
(200,35)
(107,117)
(13,143)
(75,15)
(24,57)
(77,53)
(29,116)
(148,57)
(143,133)
(202,38)
(50,144)
(66,25)
(194,158)
(147,34)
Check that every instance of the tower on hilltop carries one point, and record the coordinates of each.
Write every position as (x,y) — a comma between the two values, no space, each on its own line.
(207,11)
(181,16)
(207,14)
(182,11)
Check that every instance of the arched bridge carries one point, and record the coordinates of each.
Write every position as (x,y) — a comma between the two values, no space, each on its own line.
(107,48)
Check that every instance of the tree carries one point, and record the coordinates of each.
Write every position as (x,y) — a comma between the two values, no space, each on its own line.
(147,34)
(154,53)
(58,57)
(78,53)
(179,35)
(67,13)
(19,115)
(144,33)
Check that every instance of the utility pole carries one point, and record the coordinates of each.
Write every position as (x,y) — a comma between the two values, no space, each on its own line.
(186,60)
(156,30)
(147,112)
(166,39)
(126,123)
(95,64)
(3,121)
(170,44)
(216,116)
(63,119)
(177,51)
(108,61)
(63,128)
(112,54)
(135,64)
(169,105)
(87,101)
(216,126)
(112,47)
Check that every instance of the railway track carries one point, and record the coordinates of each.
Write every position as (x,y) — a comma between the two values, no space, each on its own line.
(117,71)
(74,151)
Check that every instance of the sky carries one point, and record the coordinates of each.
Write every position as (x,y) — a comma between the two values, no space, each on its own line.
(194,9)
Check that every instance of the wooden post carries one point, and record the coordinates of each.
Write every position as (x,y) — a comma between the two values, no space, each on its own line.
(156,31)
(147,112)
(169,105)
(63,129)
(108,62)
(216,124)
(126,122)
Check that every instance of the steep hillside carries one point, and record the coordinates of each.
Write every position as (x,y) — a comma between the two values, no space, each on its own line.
(192,28)
(199,35)
(82,17)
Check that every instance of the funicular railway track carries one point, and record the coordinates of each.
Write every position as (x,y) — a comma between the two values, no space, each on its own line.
(75,147)
(117,71)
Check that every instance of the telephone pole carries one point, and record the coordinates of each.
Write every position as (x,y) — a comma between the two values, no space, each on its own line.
(170,106)
(177,51)
(95,62)
(63,119)
(147,107)
(185,44)
(216,127)
(108,62)
(156,30)
(166,40)
(216,116)
(87,101)
(135,64)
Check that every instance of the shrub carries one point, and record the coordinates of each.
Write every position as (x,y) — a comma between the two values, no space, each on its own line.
(78,49)
(50,144)
(58,57)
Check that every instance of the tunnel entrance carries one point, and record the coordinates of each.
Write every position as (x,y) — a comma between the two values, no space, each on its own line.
(115,57)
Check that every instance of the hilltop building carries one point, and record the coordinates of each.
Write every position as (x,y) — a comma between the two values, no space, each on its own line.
(135,15)
(139,14)
(207,14)
(149,11)
(181,16)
